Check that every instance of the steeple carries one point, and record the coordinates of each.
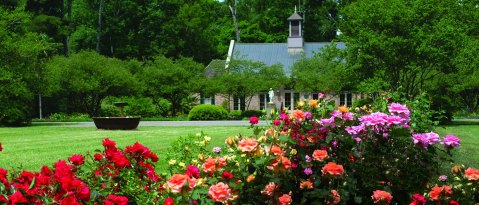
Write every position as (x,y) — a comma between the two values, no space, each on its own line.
(295,38)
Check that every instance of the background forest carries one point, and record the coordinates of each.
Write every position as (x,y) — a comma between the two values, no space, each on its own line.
(72,56)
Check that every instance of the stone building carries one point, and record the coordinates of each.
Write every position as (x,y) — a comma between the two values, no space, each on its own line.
(285,54)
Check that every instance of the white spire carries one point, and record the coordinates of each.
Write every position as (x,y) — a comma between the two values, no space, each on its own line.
(294,9)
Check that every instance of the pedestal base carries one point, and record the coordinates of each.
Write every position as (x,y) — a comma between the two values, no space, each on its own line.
(270,108)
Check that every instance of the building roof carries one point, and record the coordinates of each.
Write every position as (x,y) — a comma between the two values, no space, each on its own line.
(295,16)
(277,53)
(214,66)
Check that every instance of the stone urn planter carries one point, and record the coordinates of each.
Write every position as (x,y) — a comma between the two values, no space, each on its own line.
(117,123)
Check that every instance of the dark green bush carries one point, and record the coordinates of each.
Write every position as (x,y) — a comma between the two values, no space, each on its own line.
(208,112)
(251,113)
(362,102)
(235,115)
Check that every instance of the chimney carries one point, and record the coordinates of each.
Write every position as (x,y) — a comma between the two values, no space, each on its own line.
(295,38)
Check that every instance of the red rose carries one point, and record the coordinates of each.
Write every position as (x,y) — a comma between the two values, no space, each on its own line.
(169,201)
(77,159)
(108,143)
(452,202)
(116,200)
(227,175)
(193,171)
(98,157)
(253,120)
(1,148)
(277,122)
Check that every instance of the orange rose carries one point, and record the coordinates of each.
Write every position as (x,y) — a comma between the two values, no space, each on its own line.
(383,197)
(219,192)
(437,192)
(299,115)
(269,189)
(178,181)
(275,149)
(209,165)
(306,185)
(248,145)
(320,155)
(332,168)
(343,109)
(285,163)
(250,178)
(285,199)
(472,174)
(313,103)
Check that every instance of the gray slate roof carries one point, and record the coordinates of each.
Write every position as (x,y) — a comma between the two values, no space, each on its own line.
(295,16)
(277,53)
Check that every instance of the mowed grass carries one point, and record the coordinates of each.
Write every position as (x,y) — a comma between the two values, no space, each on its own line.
(32,147)
(468,152)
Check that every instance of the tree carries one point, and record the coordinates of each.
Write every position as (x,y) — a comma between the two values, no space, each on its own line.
(326,71)
(21,59)
(244,79)
(84,79)
(406,44)
(174,80)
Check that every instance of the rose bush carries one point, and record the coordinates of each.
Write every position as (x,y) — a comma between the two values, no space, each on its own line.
(317,154)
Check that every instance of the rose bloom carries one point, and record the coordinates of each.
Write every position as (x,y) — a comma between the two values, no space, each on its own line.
(276,150)
(285,199)
(253,120)
(306,185)
(209,165)
(169,201)
(418,199)
(343,109)
(313,103)
(335,196)
(192,171)
(219,192)
(451,141)
(285,163)
(380,196)
(1,148)
(227,175)
(177,181)
(332,168)
(436,192)
(320,155)
(320,95)
(398,108)
(248,145)
(299,115)
(98,157)
(472,174)
(269,189)
(250,178)
(77,159)
(116,200)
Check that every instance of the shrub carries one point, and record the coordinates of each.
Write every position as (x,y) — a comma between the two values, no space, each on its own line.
(235,115)
(251,113)
(208,112)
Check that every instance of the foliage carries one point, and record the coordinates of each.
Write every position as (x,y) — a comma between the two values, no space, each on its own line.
(89,81)
(173,80)
(251,113)
(208,112)
(73,116)
(137,106)
(235,115)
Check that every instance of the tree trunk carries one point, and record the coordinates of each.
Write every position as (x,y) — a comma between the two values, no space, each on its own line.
(235,22)
(98,34)
(67,39)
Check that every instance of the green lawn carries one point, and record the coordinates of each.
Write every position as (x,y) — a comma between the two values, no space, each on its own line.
(35,146)
(468,152)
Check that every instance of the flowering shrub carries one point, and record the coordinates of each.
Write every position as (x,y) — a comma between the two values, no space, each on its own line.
(314,155)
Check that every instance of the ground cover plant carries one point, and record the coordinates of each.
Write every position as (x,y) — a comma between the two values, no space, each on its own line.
(317,154)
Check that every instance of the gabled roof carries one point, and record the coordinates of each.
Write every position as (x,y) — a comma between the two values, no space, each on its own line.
(214,66)
(295,16)
(277,53)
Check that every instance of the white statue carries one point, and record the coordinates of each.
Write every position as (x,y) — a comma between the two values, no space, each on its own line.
(271,95)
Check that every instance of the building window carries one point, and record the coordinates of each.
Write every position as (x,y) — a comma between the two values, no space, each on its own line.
(209,100)
(346,99)
(296,100)
(287,100)
(306,96)
(238,103)
(315,96)
(295,28)
(262,101)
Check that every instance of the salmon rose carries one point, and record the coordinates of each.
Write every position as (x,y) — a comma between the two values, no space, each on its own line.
(248,145)
(285,199)
(320,155)
(299,115)
(438,192)
(472,174)
(382,197)
(219,192)
(209,165)
(269,189)
(276,150)
(178,181)
(280,163)
(332,168)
